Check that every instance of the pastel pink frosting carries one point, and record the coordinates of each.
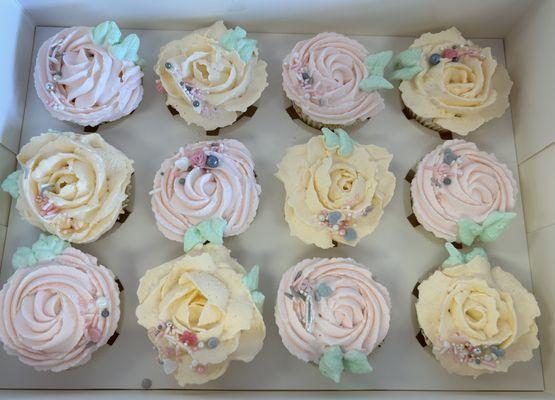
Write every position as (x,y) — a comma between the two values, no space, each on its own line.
(50,317)
(187,194)
(335,65)
(89,85)
(355,316)
(478,185)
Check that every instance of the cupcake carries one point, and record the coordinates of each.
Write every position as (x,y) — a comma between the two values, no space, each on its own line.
(462,194)
(450,84)
(332,313)
(58,307)
(203,181)
(211,76)
(70,185)
(336,189)
(477,319)
(89,75)
(332,80)
(200,312)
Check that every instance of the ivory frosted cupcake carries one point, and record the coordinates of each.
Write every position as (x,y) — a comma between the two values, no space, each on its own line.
(476,318)
(212,75)
(203,181)
(333,313)
(336,189)
(73,186)
(450,84)
(58,307)
(332,80)
(201,312)
(89,75)
(462,194)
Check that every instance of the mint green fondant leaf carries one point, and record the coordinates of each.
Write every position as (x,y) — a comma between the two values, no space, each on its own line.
(11,184)
(258,299)
(235,40)
(495,224)
(128,49)
(323,290)
(23,257)
(408,58)
(331,363)
(211,230)
(48,247)
(374,82)
(54,131)
(346,144)
(106,33)
(251,279)
(455,256)
(405,74)
(468,231)
(356,362)
(377,62)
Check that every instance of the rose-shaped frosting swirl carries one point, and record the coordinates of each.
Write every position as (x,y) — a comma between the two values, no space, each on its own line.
(352,312)
(455,181)
(321,75)
(334,198)
(209,85)
(200,315)
(466,88)
(472,311)
(83,82)
(188,191)
(73,186)
(58,312)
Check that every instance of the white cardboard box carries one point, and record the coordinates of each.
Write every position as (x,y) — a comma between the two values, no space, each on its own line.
(523,30)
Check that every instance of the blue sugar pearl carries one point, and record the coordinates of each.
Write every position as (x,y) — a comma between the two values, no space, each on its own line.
(435,59)
(447,181)
(455,59)
(212,343)
(181,181)
(168,65)
(188,88)
(449,156)
(350,234)
(105,313)
(196,103)
(334,217)
(305,76)
(212,161)
(477,361)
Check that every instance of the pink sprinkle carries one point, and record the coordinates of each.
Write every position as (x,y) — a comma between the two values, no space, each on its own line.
(160,87)
(450,53)
(94,334)
(201,369)
(342,232)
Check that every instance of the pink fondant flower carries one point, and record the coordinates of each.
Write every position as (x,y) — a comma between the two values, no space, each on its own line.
(198,159)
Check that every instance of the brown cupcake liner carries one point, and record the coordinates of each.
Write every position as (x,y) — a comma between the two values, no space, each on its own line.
(312,123)
(444,134)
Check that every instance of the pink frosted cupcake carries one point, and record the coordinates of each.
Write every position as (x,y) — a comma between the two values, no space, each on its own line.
(202,181)
(89,75)
(323,77)
(462,194)
(333,313)
(58,307)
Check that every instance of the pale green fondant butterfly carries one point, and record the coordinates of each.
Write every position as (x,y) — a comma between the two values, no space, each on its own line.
(488,231)
(236,40)
(406,64)
(108,34)
(457,257)
(340,140)
(333,362)
(251,282)
(211,231)
(376,63)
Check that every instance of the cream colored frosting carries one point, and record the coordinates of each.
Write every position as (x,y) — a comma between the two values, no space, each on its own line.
(89,85)
(73,186)
(185,194)
(199,298)
(52,312)
(223,83)
(355,316)
(458,96)
(318,181)
(484,306)
(478,184)
(334,67)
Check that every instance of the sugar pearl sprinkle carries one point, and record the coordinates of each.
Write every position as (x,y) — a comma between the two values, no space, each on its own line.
(467,353)
(340,223)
